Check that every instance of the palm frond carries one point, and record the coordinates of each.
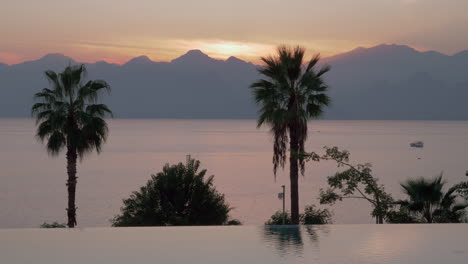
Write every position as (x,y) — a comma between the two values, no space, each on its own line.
(288,96)
(90,91)
(66,113)
(98,110)
(56,143)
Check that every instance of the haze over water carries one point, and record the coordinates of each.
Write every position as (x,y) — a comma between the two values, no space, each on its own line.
(32,184)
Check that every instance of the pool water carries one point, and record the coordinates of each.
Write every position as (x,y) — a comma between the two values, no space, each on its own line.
(239,244)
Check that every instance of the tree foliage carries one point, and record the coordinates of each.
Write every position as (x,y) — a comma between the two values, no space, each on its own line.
(428,203)
(179,195)
(68,113)
(288,96)
(355,182)
(316,216)
(69,116)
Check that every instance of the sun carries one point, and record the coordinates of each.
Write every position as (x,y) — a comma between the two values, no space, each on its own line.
(228,49)
(224,49)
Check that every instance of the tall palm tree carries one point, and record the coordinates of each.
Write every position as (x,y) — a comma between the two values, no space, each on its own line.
(69,116)
(290,94)
(428,202)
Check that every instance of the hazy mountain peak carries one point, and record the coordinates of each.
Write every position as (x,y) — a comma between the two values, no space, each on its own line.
(101,62)
(56,58)
(193,56)
(140,60)
(461,53)
(382,50)
(235,60)
(392,47)
(195,52)
(387,48)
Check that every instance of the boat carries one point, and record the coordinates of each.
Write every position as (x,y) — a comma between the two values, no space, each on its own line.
(417,144)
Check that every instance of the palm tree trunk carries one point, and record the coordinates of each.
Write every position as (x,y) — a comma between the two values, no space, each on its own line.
(294,175)
(71,185)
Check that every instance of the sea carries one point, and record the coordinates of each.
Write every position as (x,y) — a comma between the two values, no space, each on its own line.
(33,191)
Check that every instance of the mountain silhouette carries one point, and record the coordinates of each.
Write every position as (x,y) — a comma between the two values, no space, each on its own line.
(141,60)
(381,82)
(193,57)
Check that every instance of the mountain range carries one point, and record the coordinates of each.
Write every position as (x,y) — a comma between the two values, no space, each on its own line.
(388,82)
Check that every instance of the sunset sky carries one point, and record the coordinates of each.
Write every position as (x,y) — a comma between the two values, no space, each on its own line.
(117,30)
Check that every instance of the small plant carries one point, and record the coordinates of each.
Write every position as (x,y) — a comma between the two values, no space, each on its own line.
(53,225)
(311,216)
(277,219)
(234,222)
(316,216)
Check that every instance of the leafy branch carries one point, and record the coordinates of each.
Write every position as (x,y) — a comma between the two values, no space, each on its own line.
(355,182)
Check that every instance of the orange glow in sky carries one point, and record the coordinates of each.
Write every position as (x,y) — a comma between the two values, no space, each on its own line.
(118,30)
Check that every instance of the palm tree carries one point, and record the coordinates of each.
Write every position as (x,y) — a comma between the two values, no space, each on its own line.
(68,115)
(428,203)
(290,94)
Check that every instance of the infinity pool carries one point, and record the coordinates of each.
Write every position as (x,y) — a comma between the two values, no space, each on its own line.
(240,245)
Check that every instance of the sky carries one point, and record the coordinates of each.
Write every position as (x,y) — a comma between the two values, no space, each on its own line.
(118,30)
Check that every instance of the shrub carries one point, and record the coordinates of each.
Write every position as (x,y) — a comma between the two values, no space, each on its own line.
(311,216)
(316,216)
(179,195)
(53,225)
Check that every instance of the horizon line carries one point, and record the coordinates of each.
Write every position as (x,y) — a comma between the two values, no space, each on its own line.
(232,56)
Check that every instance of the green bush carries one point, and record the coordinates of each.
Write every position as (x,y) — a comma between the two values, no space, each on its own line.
(315,216)
(179,195)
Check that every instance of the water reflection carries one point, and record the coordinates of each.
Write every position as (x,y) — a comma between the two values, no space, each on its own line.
(312,232)
(290,239)
(286,239)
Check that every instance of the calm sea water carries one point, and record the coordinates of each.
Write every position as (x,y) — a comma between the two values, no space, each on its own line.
(32,184)
(332,244)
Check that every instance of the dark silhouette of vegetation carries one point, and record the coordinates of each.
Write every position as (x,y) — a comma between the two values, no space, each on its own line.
(288,97)
(355,182)
(234,222)
(53,225)
(311,216)
(316,216)
(277,218)
(179,195)
(428,203)
(462,188)
(400,216)
(68,116)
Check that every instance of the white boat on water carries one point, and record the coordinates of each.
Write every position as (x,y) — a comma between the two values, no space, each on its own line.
(417,144)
